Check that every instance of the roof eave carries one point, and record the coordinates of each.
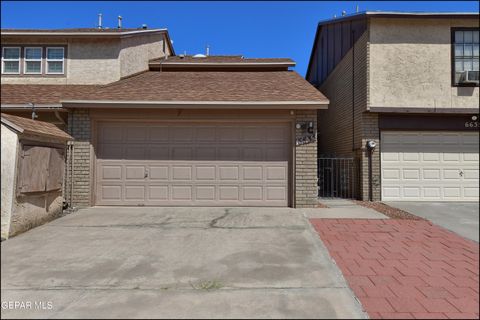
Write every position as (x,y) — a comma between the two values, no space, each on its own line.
(104,34)
(224,64)
(12,125)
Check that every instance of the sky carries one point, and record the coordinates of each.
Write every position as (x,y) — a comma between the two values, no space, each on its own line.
(254,29)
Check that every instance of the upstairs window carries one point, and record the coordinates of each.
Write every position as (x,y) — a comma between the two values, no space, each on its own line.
(33,60)
(466,55)
(11,60)
(55,60)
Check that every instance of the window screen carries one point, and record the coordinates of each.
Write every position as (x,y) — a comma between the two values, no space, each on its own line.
(466,51)
(11,60)
(33,60)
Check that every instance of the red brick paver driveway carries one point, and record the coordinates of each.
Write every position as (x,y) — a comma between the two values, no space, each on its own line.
(405,268)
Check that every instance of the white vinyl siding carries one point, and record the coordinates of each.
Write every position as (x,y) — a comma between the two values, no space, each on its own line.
(11,60)
(33,60)
(430,166)
(55,60)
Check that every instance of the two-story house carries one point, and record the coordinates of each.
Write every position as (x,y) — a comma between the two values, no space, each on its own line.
(155,129)
(404,100)
(64,62)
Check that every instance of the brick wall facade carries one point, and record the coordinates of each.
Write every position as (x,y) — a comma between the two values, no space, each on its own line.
(79,128)
(306,189)
(346,126)
(370,131)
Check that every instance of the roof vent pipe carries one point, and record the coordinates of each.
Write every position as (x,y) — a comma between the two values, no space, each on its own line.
(119,22)
(99,21)
(207,53)
(357,8)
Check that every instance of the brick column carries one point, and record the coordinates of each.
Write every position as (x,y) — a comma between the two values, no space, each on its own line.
(79,129)
(306,189)
(370,131)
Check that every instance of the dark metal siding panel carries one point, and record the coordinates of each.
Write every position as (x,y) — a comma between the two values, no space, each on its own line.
(333,43)
(338,43)
(324,55)
(330,48)
(346,44)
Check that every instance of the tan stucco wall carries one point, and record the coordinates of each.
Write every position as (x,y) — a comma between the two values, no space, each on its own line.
(9,160)
(135,52)
(410,64)
(21,212)
(95,61)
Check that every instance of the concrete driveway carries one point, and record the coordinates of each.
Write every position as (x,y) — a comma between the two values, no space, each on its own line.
(173,263)
(459,217)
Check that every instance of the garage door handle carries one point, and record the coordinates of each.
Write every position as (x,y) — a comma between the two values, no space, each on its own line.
(461,173)
(146,173)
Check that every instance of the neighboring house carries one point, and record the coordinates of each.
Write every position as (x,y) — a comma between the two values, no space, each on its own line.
(186,131)
(33,167)
(409,83)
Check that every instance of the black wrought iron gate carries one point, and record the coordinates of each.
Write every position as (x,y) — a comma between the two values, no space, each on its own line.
(338,178)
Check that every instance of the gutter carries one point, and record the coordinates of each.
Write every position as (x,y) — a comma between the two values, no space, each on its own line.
(37,107)
(91,104)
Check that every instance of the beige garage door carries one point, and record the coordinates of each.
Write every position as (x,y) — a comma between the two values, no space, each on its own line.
(192,164)
(430,166)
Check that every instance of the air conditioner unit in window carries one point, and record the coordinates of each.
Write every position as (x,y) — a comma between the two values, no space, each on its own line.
(469,77)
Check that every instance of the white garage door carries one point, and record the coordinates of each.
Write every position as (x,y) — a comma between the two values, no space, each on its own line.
(192,164)
(430,166)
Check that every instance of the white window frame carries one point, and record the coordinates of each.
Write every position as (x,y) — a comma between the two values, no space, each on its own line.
(25,60)
(54,60)
(19,59)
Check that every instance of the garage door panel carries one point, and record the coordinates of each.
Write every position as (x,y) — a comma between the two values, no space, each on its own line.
(470,174)
(135,172)
(252,172)
(136,193)
(182,192)
(418,166)
(206,192)
(158,192)
(229,192)
(205,164)
(228,172)
(253,193)
(205,173)
(110,172)
(158,172)
(432,192)
(276,192)
(471,192)
(111,192)
(431,174)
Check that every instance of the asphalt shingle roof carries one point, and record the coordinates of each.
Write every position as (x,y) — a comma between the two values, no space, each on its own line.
(35,127)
